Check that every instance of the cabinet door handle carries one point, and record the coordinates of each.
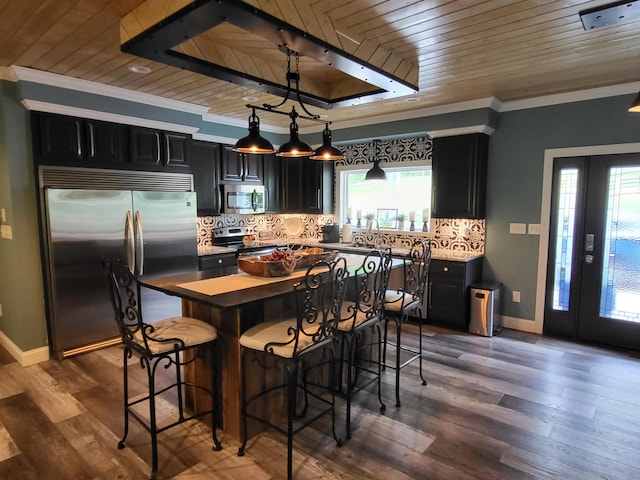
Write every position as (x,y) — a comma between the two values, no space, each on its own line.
(157,147)
(266,198)
(78,142)
(242,169)
(92,144)
(318,195)
(219,194)
(168,153)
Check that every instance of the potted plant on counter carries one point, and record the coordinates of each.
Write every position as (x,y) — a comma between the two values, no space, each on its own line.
(369,218)
(401,217)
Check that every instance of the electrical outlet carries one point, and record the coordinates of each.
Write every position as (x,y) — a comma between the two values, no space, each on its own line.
(516,297)
(0,310)
(3,215)
(518,228)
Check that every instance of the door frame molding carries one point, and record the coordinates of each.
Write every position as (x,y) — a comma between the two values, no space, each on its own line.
(545,212)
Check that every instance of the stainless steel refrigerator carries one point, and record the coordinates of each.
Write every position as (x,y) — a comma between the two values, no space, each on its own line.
(154,232)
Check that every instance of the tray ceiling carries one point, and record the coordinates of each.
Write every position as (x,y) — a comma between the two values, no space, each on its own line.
(459,50)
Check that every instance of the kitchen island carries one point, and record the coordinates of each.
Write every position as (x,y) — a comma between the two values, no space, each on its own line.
(233,304)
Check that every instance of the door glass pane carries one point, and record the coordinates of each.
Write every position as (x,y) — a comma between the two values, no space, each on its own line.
(564,237)
(620,296)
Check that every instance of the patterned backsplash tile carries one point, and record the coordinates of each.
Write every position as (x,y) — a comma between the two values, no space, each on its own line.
(461,235)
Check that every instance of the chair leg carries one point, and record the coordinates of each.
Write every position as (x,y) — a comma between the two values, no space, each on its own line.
(383,407)
(384,343)
(424,382)
(398,344)
(125,388)
(333,395)
(292,386)
(152,418)
(350,365)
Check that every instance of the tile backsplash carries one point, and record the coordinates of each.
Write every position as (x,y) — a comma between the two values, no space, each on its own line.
(461,235)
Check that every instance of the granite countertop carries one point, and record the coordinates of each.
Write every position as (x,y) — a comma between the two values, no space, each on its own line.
(437,254)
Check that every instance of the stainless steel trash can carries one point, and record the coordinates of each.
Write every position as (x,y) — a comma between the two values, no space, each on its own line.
(485,297)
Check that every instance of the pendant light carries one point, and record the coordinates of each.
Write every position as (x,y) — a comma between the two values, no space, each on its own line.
(294,147)
(254,143)
(326,151)
(635,106)
(376,174)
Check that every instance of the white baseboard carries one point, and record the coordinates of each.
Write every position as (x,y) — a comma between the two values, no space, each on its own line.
(521,324)
(30,357)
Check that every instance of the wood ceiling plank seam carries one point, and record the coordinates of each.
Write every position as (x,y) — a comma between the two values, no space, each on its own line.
(345,11)
(511,28)
(20,13)
(66,53)
(383,19)
(472,57)
(507,40)
(101,40)
(393,62)
(313,23)
(136,81)
(380,56)
(412,33)
(36,26)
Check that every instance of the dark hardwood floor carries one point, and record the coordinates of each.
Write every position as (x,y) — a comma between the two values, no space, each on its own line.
(515,406)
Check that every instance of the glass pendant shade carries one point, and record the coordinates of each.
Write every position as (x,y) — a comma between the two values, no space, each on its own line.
(376,173)
(635,106)
(254,143)
(326,151)
(294,147)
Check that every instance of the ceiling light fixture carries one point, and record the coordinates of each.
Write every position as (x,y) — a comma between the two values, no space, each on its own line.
(376,174)
(294,147)
(635,106)
(254,143)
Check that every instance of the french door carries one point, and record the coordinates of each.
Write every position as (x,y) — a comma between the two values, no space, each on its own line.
(593,269)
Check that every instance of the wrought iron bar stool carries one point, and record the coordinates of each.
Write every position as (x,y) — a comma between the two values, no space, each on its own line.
(162,344)
(359,328)
(407,301)
(288,343)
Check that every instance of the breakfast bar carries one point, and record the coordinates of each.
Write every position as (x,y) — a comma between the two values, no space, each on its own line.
(232,303)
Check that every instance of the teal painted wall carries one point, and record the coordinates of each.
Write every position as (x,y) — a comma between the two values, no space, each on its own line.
(21,288)
(514,183)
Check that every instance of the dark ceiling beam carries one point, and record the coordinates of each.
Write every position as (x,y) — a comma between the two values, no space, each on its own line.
(157,44)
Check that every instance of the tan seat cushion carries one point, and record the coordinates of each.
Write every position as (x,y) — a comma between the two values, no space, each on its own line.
(257,337)
(347,323)
(395,301)
(190,330)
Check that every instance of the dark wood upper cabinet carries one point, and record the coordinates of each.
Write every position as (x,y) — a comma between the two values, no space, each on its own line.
(273,183)
(64,139)
(307,186)
(205,163)
(240,167)
(106,141)
(460,176)
(155,147)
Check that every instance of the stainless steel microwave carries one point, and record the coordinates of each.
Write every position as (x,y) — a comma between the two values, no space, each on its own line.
(244,198)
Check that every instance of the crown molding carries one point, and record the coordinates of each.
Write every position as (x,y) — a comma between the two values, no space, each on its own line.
(106,116)
(449,132)
(570,97)
(86,86)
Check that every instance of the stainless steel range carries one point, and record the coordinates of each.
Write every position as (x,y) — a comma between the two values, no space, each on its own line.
(231,237)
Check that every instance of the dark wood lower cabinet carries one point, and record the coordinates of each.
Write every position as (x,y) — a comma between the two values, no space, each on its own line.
(447,291)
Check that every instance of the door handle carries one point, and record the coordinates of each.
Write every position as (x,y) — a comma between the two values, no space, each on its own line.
(139,244)
(92,142)
(254,203)
(167,148)
(588,242)
(78,139)
(266,199)
(157,147)
(129,241)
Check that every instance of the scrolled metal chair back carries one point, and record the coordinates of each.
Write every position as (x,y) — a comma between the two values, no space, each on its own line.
(319,296)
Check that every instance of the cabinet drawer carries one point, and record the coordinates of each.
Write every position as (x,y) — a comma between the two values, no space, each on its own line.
(444,267)
(223,260)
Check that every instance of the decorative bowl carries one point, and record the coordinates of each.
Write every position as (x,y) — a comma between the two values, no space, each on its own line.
(267,268)
(309,256)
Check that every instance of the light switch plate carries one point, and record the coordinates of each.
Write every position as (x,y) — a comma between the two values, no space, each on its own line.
(518,228)
(6,232)
(534,229)
(3,215)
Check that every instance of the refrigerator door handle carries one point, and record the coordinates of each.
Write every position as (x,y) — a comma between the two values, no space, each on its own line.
(129,241)
(139,244)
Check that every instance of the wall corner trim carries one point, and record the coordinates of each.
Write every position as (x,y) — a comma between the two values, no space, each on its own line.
(30,357)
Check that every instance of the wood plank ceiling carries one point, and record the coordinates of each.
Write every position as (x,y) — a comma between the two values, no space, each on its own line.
(463,49)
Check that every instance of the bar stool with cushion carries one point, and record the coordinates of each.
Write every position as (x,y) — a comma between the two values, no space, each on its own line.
(359,327)
(160,346)
(406,301)
(295,344)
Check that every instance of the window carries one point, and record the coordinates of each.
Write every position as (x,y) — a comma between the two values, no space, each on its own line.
(407,190)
